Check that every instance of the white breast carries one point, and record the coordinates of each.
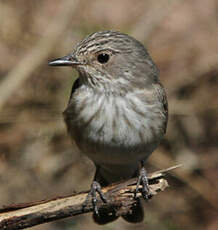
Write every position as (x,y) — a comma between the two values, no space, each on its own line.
(108,129)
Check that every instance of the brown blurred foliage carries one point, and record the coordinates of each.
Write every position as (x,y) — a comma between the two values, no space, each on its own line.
(37,160)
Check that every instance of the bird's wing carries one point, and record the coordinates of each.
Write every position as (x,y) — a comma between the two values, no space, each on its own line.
(162,97)
(75,86)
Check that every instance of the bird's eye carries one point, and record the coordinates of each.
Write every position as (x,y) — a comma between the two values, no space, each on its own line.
(103,58)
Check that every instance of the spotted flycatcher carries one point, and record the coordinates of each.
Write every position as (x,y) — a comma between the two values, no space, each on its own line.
(117,112)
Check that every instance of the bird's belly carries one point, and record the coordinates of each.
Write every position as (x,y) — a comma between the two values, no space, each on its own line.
(115,146)
(115,134)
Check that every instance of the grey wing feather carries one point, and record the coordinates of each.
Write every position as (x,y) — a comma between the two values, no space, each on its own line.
(162,97)
(75,86)
(68,112)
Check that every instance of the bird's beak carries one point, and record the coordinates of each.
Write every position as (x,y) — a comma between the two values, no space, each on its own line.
(68,60)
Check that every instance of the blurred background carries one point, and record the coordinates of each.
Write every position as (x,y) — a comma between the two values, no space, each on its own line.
(37,159)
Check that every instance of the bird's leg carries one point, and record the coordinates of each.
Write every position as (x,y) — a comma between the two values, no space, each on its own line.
(95,188)
(143,180)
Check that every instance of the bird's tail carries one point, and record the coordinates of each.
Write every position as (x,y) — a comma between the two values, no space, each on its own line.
(105,217)
(135,215)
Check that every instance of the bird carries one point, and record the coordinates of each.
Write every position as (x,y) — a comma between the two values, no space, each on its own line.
(117,112)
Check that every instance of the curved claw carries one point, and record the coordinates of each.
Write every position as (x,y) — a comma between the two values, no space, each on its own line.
(143,180)
(95,188)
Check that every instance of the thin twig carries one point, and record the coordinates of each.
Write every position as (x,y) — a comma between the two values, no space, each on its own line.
(120,197)
(201,186)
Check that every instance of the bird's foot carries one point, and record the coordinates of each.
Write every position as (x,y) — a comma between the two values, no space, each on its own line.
(143,180)
(95,188)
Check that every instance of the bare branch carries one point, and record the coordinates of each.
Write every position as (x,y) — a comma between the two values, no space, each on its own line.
(120,197)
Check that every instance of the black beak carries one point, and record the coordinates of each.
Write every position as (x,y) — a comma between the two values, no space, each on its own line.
(68,60)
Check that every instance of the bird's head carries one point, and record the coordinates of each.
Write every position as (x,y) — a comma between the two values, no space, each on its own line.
(110,58)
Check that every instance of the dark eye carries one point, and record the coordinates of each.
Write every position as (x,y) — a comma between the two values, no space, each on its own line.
(103,58)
